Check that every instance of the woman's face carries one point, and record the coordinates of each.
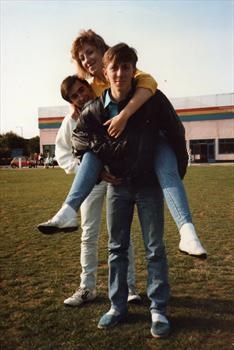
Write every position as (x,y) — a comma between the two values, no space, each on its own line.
(91,59)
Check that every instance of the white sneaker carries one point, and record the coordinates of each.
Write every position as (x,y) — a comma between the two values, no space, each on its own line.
(190,243)
(65,220)
(82,295)
(133,296)
(160,325)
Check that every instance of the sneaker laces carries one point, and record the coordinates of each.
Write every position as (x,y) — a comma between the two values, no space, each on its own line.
(82,292)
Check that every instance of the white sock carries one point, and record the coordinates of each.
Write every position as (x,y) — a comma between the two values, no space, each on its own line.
(66,211)
(113,312)
(188,231)
(156,317)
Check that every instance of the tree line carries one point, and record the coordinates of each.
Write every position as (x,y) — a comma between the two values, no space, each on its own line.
(11,141)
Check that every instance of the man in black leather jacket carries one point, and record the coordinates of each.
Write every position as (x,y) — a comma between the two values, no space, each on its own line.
(131,154)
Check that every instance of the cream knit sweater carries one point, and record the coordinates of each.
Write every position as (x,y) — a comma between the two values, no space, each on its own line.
(63,146)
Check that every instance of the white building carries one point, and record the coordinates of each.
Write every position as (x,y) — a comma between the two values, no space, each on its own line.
(208,122)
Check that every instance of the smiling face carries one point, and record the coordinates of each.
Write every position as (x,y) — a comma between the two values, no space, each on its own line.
(79,94)
(91,59)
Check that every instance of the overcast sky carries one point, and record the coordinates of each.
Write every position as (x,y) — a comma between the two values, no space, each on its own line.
(186,45)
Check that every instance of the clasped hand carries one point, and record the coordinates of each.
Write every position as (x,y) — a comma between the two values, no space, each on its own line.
(108,177)
(116,125)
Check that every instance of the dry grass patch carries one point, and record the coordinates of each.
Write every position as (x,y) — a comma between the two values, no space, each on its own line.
(39,272)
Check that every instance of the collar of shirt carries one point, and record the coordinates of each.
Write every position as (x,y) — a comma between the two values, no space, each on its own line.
(112,107)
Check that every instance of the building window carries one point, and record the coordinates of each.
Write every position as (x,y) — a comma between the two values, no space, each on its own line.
(226,146)
(203,150)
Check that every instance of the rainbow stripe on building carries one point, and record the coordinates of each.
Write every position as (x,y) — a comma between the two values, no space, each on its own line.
(206,113)
(185,114)
(50,122)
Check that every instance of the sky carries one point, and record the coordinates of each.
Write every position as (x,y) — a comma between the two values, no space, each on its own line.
(186,45)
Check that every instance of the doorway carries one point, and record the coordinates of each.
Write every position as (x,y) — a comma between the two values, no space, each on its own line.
(203,151)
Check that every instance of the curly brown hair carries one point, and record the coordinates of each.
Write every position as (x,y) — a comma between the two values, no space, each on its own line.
(86,37)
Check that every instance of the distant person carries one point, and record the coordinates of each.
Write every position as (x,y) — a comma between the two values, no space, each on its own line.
(35,158)
(47,161)
(53,160)
(41,159)
(190,157)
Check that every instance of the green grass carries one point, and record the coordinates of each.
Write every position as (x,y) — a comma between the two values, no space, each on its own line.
(38,272)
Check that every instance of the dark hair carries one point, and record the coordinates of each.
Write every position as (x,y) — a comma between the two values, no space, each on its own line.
(67,84)
(120,53)
(91,38)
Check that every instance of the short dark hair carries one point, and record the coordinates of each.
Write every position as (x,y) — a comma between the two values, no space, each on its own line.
(120,53)
(67,84)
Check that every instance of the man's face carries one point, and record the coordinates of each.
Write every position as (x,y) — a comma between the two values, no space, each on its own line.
(80,94)
(120,75)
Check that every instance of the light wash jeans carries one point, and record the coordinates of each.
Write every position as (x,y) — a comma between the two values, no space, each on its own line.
(166,169)
(91,211)
(84,180)
(165,166)
(120,207)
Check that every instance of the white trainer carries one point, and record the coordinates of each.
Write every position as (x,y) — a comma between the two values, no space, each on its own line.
(160,325)
(190,243)
(133,296)
(82,295)
(65,220)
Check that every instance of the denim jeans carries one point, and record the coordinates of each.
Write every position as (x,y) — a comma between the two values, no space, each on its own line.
(91,210)
(165,166)
(120,208)
(85,180)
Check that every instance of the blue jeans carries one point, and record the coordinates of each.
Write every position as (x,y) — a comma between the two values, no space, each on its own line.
(84,180)
(120,208)
(83,183)
(165,166)
(91,214)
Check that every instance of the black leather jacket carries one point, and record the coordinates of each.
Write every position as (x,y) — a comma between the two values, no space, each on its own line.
(130,156)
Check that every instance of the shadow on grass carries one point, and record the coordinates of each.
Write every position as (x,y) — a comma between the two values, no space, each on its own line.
(192,314)
(216,306)
(203,315)
(137,317)
(201,324)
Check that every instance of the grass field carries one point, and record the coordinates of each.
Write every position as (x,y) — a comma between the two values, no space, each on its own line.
(38,272)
